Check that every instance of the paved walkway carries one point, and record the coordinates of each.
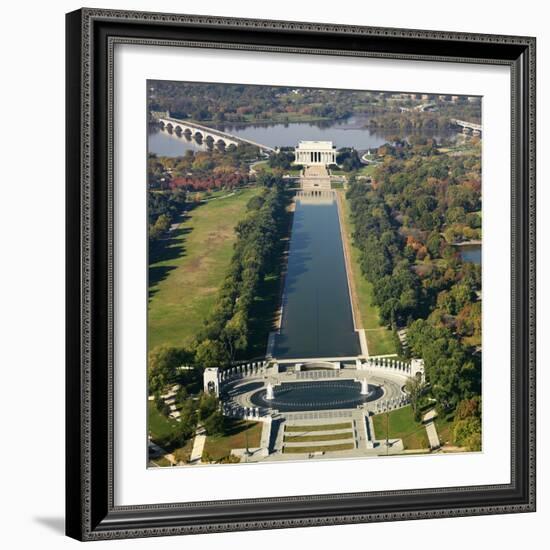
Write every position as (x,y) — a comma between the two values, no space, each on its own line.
(355,309)
(198,448)
(431,430)
(315,177)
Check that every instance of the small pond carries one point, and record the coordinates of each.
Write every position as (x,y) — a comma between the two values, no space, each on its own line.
(470,253)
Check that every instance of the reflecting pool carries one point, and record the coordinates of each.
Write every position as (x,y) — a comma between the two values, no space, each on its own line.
(317,317)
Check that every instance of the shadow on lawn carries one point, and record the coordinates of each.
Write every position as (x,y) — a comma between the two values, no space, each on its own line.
(235,427)
(264,309)
(171,247)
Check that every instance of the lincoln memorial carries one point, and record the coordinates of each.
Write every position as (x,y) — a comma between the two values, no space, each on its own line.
(311,153)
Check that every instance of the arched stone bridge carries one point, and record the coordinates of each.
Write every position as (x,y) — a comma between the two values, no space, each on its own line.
(468,126)
(219,137)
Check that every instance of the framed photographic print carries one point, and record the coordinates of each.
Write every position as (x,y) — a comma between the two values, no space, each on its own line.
(300,274)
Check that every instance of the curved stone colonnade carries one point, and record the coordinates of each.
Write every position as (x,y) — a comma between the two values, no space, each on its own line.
(224,382)
(237,384)
(389,368)
(389,364)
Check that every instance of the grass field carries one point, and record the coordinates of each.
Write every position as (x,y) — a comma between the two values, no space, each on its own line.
(365,170)
(380,339)
(402,425)
(187,268)
(319,448)
(217,448)
(319,427)
(162,462)
(159,425)
(319,437)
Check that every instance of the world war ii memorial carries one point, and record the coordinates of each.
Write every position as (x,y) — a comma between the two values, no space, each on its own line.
(318,387)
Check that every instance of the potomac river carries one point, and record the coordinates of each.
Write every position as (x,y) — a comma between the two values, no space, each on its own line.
(348,133)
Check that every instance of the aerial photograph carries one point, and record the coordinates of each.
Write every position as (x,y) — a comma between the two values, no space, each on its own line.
(314,274)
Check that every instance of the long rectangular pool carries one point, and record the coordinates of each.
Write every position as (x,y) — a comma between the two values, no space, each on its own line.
(317,316)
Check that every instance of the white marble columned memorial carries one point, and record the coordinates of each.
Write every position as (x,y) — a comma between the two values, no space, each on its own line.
(315,153)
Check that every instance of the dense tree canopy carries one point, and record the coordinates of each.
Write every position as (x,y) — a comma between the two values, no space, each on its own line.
(403,224)
(240,103)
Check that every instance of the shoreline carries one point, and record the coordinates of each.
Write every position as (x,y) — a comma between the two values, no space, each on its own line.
(475,242)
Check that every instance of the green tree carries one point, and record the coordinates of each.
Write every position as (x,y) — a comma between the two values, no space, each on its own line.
(467,433)
(188,413)
(468,407)
(463,295)
(162,363)
(414,388)
(235,333)
(211,353)
(215,424)
(433,244)
(282,160)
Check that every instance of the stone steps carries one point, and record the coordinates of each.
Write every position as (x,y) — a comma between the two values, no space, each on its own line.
(321,443)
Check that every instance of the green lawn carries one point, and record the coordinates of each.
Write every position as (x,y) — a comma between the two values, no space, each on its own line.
(319,427)
(159,425)
(217,448)
(261,166)
(319,437)
(183,454)
(319,448)
(207,195)
(162,462)
(187,268)
(379,338)
(402,426)
(365,170)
